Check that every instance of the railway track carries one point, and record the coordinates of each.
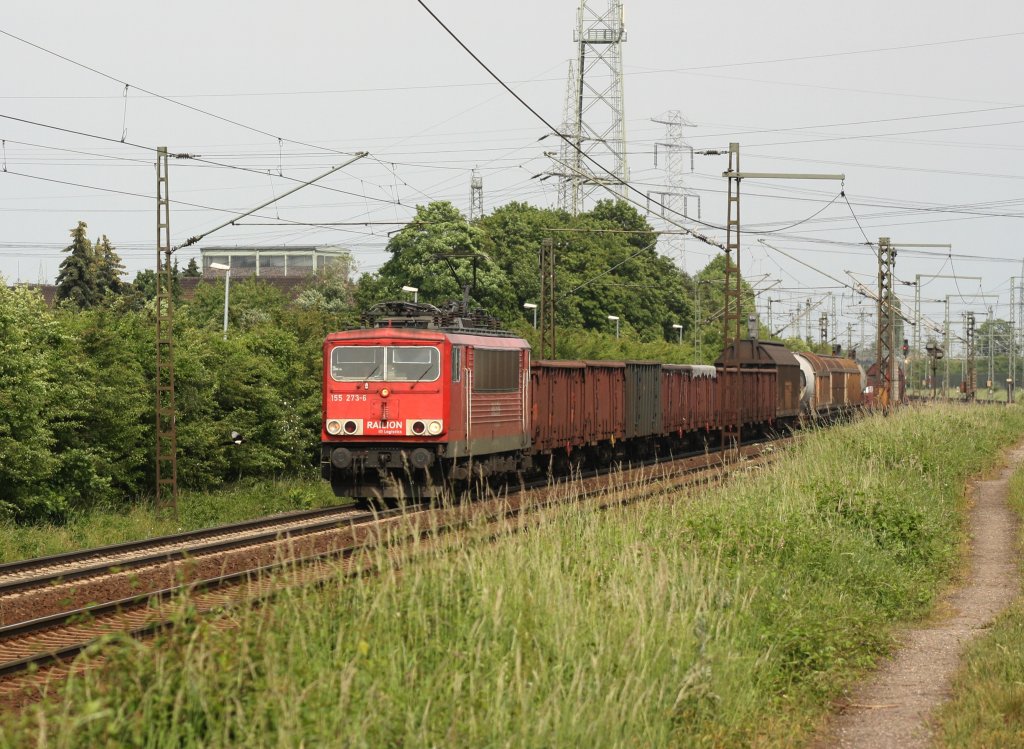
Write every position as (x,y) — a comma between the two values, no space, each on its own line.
(42,571)
(51,637)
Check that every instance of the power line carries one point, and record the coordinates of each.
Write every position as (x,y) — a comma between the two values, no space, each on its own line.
(886,135)
(376,89)
(826,55)
(283,221)
(809,218)
(563,137)
(864,122)
(168,99)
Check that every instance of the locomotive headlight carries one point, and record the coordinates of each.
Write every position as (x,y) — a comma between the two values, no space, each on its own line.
(434,427)
(345,427)
(384,392)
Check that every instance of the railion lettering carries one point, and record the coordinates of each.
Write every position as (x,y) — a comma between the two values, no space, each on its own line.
(383,425)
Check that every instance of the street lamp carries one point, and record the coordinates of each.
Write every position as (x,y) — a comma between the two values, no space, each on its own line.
(677,326)
(414,291)
(616,319)
(227,290)
(530,305)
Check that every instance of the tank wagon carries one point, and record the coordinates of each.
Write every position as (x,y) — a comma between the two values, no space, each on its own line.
(422,397)
(830,385)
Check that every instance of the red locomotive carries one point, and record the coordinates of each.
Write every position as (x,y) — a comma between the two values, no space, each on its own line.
(424,397)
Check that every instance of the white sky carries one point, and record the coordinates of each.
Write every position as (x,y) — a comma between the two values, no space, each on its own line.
(385,78)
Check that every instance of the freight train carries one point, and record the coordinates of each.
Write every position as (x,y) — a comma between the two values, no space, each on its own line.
(423,398)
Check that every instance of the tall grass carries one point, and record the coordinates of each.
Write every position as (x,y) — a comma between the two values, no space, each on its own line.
(729,617)
(987,709)
(101,526)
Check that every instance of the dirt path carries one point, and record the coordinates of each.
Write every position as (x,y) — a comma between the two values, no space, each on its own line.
(893,708)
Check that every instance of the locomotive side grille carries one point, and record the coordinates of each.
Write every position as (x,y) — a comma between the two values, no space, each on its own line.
(496,408)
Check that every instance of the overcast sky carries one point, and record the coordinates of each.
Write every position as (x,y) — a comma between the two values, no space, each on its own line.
(920,104)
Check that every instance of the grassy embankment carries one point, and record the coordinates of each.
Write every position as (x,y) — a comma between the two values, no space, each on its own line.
(728,619)
(99,527)
(987,709)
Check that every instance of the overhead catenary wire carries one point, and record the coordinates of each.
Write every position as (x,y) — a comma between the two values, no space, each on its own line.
(192,240)
(165,98)
(640,72)
(562,136)
(809,218)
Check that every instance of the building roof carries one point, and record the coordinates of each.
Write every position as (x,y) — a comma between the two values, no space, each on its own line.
(285,249)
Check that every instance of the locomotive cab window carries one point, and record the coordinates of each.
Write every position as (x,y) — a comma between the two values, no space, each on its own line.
(495,370)
(357,363)
(413,364)
(456,363)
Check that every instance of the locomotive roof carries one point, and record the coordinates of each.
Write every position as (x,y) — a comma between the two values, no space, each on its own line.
(427,336)
(452,317)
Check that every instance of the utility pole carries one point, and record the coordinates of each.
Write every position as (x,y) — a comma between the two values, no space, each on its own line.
(991,352)
(823,328)
(916,343)
(947,337)
(885,341)
(594,123)
(970,378)
(733,317)
(166,422)
(166,416)
(835,318)
(807,321)
(674,199)
(1020,322)
(547,299)
(949,352)
(885,353)
(698,321)
(476,196)
(1011,356)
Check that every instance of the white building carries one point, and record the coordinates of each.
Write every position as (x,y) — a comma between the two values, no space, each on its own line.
(283,261)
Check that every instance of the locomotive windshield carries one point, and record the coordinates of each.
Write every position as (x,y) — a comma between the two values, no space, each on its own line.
(390,363)
(413,364)
(357,363)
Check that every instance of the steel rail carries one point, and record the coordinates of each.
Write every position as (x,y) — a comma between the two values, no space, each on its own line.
(129,546)
(125,605)
(104,562)
(85,614)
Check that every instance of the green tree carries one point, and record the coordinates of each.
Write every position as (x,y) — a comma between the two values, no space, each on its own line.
(109,268)
(192,269)
(27,462)
(253,303)
(331,292)
(101,417)
(77,281)
(142,290)
(606,263)
(710,283)
(417,260)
